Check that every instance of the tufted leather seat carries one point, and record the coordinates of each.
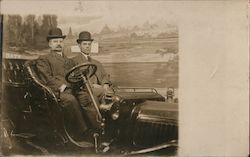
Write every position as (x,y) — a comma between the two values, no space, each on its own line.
(45,100)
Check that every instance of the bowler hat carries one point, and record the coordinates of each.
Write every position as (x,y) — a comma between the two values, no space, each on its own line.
(84,36)
(55,33)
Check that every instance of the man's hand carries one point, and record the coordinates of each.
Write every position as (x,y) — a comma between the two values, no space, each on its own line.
(96,86)
(106,107)
(62,88)
(108,91)
(106,87)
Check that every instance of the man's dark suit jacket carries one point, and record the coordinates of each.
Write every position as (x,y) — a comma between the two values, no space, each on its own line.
(53,68)
(100,77)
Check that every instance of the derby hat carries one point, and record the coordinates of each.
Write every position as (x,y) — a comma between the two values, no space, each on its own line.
(84,36)
(55,33)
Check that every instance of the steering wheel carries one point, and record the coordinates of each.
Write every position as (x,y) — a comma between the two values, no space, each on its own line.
(75,74)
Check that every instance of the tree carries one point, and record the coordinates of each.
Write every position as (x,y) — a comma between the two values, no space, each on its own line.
(31,24)
(27,31)
(106,30)
(133,35)
(5,32)
(14,26)
(48,22)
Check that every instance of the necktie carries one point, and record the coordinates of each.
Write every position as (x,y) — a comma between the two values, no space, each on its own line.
(88,58)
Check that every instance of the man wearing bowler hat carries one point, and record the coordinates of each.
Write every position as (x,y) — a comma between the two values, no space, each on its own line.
(53,67)
(99,82)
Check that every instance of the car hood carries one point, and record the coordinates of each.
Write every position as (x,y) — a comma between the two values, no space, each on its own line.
(157,111)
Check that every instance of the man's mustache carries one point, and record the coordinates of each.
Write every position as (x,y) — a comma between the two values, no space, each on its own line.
(59,46)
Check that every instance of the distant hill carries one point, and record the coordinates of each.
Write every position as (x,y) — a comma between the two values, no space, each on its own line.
(147,30)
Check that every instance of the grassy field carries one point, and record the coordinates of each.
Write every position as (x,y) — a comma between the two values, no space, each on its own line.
(136,46)
(137,63)
(159,75)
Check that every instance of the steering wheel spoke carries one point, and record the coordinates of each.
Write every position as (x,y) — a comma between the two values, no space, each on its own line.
(76,74)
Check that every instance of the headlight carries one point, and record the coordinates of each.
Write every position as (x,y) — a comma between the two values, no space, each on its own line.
(115,109)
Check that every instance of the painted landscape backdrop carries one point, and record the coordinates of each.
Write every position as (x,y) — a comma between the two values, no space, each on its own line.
(143,55)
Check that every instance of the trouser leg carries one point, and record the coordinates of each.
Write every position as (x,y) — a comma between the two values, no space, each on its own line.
(73,113)
(88,107)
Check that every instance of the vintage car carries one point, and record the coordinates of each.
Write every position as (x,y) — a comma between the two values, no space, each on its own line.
(131,120)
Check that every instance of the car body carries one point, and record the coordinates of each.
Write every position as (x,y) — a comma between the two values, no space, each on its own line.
(138,121)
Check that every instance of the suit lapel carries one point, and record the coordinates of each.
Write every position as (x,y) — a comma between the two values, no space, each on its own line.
(58,57)
(84,58)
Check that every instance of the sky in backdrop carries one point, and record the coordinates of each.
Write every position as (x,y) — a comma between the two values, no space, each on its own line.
(94,15)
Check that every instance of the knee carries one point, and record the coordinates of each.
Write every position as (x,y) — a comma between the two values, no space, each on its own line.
(84,99)
(68,100)
(98,91)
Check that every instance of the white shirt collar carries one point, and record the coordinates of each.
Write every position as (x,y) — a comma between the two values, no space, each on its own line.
(86,56)
(60,53)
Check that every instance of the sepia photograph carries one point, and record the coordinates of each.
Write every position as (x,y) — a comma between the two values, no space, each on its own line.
(124,78)
(103,81)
